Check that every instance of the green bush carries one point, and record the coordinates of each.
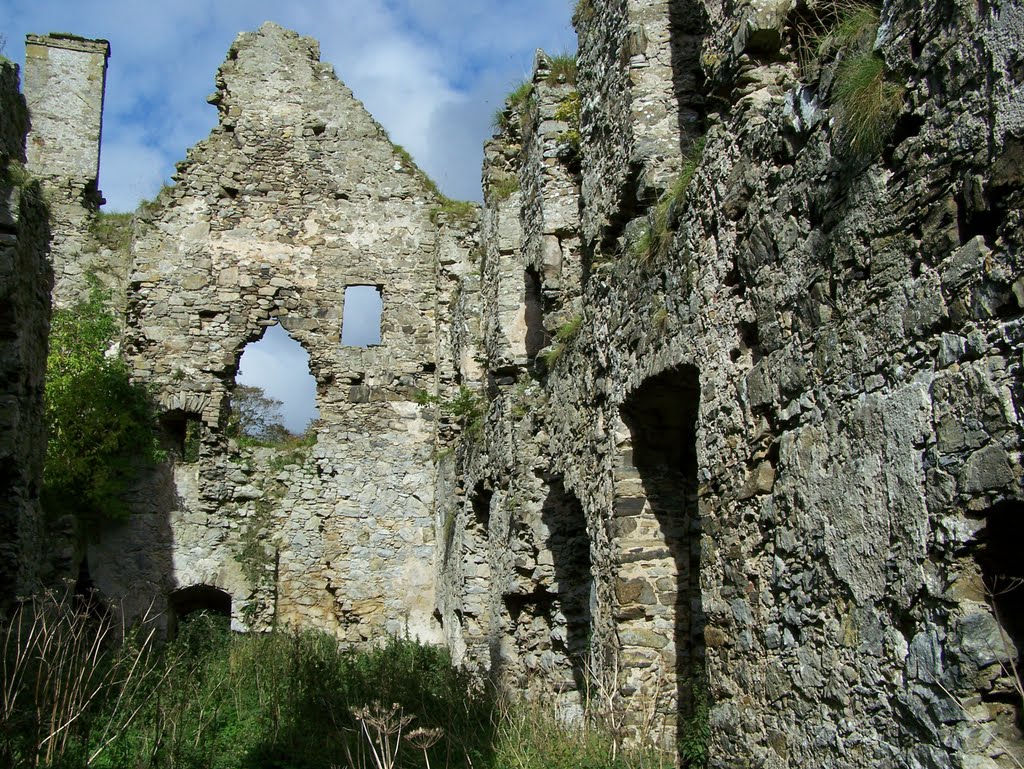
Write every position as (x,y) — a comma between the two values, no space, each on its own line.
(868,104)
(100,424)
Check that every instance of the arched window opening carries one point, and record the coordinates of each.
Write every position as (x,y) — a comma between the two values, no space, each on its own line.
(360,322)
(657,532)
(275,394)
(198,603)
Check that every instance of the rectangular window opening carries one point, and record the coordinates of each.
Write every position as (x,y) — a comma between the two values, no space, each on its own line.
(361,314)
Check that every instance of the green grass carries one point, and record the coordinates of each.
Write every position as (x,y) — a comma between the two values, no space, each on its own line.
(113,231)
(516,104)
(656,237)
(460,211)
(211,699)
(563,336)
(563,69)
(568,112)
(855,27)
(868,104)
(505,188)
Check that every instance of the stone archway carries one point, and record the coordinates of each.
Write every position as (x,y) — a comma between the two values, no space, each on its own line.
(656,550)
(196,598)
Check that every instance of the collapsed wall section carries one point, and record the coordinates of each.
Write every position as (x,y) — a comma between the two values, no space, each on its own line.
(25,280)
(297,196)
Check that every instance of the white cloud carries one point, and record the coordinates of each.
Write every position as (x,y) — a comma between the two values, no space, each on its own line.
(130,171)
(422,67)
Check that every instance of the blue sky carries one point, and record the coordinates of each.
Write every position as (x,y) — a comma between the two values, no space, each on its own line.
(431,71)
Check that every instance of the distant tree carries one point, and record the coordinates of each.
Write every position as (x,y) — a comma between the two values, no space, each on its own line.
(255,415)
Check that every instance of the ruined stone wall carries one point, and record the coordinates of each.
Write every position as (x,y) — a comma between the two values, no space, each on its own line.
(65,80)
(641,102)
(772,459)
(795,437)
(25,280)
(295,196)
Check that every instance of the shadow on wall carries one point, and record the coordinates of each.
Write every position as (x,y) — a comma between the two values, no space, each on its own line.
(657,528)
(688,24)
(563,515)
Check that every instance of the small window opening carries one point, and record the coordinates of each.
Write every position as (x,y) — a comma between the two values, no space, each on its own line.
(360,323)
(182,431)
(275,394)
(536,336)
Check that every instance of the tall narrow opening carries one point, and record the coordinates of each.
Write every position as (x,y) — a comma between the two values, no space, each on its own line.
(361,316)
(275,393)
(688,26)
(659,614)
(477,565)
(536,336)
(1002,570)
(569,543)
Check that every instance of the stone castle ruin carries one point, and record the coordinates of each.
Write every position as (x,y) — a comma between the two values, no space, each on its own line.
(706,400)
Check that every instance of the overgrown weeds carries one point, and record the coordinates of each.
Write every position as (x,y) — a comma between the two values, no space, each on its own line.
(460,211)
(505,188)
(868,103)
(210,699)
(113,230)
(74,682)
(562,69)
(563,336)
(656,236)
(568,112)
(515,107)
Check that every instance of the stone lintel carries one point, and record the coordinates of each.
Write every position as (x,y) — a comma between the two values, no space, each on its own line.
(69,42)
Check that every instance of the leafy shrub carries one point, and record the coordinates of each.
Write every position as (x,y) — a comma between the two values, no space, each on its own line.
(568,112)
(868,104)
(100,424)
